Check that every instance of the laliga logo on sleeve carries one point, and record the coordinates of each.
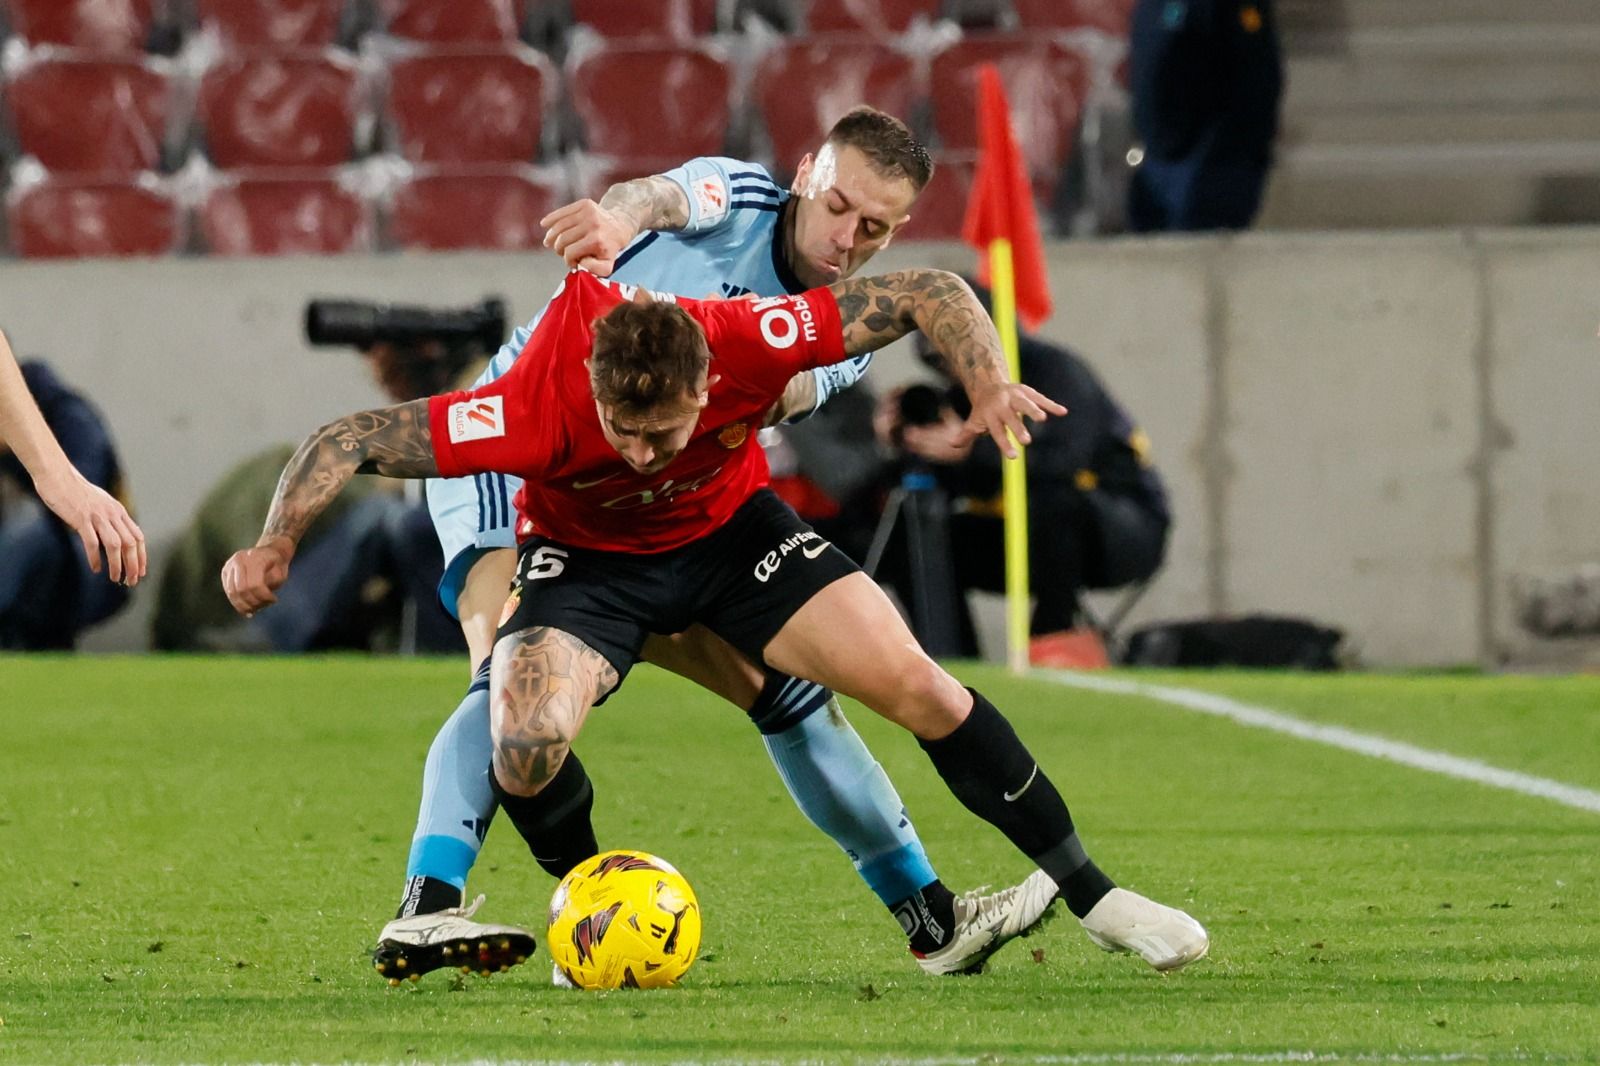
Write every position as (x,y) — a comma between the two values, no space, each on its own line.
(477,419)
(711,196)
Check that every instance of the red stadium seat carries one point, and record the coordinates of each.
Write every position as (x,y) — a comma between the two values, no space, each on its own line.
(454,21)
(661,19)
(1045,85)
(939,211)
(291,109)
(468,106)
(803,86)
(63,218)
(307,213)
(98,25)
(646,100)
(487,207)
(278,24)
(882,18)
(91,115)
(1107,16)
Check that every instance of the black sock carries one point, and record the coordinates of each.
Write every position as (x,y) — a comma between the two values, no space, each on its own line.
(928,917)
(990,771)
(556,822)
(427,895)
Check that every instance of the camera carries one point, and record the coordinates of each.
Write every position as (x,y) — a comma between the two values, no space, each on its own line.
(355,324)
(921,405)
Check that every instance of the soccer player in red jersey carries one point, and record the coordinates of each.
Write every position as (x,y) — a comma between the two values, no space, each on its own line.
(632,420)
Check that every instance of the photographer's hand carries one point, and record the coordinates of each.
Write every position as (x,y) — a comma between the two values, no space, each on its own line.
(945,442)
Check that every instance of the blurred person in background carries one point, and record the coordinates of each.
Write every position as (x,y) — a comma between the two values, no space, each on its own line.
(1098,516)
(56,448)
(1206,79)
(370,553)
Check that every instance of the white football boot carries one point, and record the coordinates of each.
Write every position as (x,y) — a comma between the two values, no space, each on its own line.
(1163,936)
(411,947)
(985,924)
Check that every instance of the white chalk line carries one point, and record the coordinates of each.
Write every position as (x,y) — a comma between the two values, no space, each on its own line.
(1334,736)
(1270,1058)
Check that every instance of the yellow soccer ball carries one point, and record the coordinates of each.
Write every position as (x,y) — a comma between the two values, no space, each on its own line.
(623,919)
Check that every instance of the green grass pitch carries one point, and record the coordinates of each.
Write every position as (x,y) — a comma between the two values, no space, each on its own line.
(195,856)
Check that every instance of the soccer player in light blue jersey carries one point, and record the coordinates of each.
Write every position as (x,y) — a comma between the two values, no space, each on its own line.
(712,227)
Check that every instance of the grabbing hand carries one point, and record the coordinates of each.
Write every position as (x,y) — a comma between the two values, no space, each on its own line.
(101,522)
(945,441)
(1001,407)
(251,577)
(587,236)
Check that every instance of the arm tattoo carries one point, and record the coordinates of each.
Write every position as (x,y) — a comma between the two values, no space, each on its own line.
(544,686)
(875,311)
(653,203)
(393,441)
(799,396)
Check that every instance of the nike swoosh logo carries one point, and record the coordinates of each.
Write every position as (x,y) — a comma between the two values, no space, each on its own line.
(1012,797)
(591,484)
(813,552)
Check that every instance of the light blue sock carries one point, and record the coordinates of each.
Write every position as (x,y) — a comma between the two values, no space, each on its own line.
(457,803)
(839,786)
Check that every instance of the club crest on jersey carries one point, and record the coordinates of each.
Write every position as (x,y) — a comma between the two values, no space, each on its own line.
(478,419)
(734,435)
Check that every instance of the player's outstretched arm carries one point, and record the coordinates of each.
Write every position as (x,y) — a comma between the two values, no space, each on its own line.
(393,441)
(875,311)
(99,519)
(591,235)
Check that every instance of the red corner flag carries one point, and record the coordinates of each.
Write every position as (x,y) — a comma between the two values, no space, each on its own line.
(1001,207)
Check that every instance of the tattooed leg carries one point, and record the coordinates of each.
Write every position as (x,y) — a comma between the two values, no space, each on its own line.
(544,681)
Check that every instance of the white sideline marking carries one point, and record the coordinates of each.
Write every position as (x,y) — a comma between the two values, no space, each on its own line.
(1087,1059)
(1377,747)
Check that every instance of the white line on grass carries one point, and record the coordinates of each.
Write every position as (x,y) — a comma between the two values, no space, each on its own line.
(1180,1058)
(1376,747)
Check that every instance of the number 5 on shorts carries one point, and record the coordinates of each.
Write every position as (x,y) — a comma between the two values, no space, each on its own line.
(547,561)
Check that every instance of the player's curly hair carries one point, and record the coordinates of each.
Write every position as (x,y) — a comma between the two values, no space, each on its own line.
(647,356)
(888,144)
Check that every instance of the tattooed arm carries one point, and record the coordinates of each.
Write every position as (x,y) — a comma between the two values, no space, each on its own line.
(393,441)
(591,235)
(875,311)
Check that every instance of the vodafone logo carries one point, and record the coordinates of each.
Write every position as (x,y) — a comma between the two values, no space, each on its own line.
(784,319)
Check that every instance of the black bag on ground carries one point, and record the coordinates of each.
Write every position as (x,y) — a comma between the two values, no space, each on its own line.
(1256,640)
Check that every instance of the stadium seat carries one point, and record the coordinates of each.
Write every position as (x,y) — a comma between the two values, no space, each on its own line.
(661,20)
(97,25)
(91,115)
(803,86)
(459,106)
(291,109)
(1045,84)
(881,18)
(487,207)
(1106,16)
(454,21)
(278,24)
(939,211)
(65,217)
(648,100)
(284,214)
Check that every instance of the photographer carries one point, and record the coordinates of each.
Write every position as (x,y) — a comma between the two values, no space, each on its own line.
(1097,510)
(371,553)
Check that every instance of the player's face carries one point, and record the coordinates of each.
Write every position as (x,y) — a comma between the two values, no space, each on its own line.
(648,441)
(844,212)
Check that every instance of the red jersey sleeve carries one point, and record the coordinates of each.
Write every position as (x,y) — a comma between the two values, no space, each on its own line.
(495,427)
(766,342)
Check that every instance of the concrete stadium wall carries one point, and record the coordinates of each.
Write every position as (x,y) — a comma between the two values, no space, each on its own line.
(1373,430)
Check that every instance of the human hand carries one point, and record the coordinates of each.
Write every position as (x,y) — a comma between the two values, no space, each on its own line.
(1001,407)
(946,441)
(251,577)
(101,522)
(587,236)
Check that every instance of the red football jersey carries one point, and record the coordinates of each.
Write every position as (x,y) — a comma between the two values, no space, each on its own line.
(539,421)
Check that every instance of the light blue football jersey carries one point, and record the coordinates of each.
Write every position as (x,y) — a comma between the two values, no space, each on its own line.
(731,246)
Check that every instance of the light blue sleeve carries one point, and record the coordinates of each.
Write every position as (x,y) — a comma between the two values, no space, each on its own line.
(832,380)
(708,182)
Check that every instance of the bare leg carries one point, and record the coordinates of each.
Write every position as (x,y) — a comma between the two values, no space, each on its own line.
(542,684)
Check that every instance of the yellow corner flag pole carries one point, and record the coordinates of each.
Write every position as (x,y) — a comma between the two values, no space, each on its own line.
(1014,483)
